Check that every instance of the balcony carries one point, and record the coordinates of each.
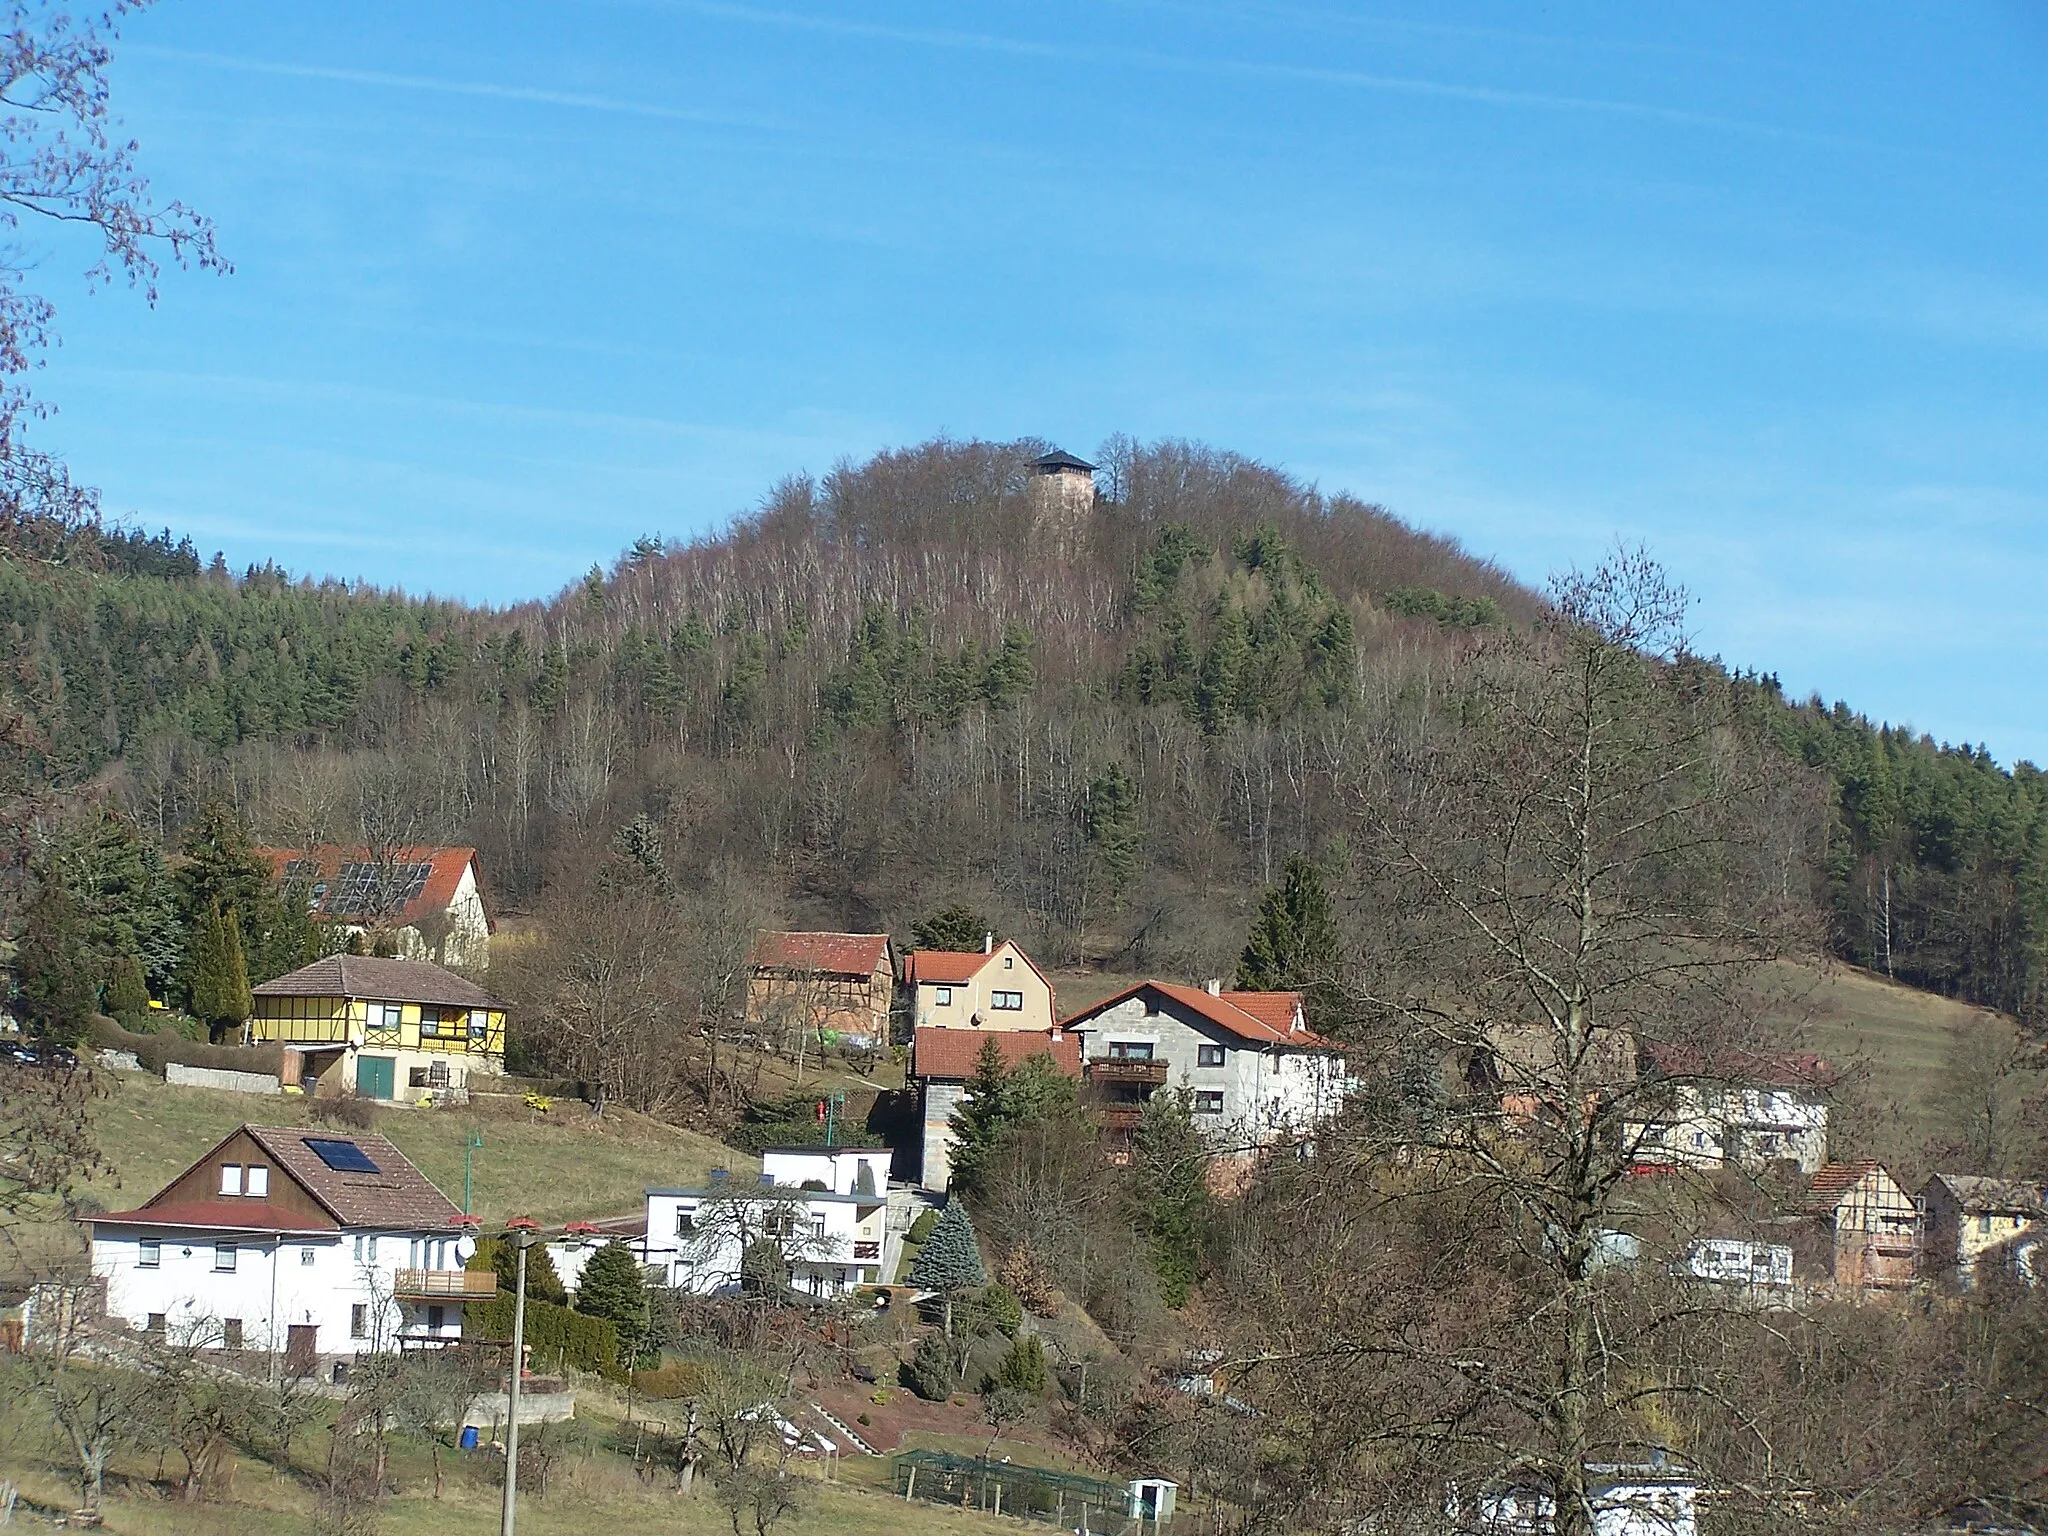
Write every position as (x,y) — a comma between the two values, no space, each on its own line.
(1148,1073)
(867,1250)
(444,1285)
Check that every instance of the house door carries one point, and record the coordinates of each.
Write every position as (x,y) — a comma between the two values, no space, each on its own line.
(376,1076)
(300,1346)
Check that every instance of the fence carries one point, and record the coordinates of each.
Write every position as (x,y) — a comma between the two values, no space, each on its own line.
(1065,1499)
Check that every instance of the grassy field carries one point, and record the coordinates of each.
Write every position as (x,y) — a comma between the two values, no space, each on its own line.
(560,1166)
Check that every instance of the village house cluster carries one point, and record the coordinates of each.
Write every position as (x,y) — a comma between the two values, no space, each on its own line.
(316,1245)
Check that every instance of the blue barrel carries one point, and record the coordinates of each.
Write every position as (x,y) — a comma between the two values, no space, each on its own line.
(468,1440)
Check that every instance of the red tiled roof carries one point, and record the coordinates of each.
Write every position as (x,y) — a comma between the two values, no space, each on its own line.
(224,1215)
(378,980)
(939,1052)
(944,967)
(1757,1069)
(445,867)
(835,954)
(1265,1018)
(1835,1180)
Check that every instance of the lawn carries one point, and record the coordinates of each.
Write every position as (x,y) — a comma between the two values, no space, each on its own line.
(560,1166)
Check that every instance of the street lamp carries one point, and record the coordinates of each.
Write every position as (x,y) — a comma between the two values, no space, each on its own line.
(522,1230)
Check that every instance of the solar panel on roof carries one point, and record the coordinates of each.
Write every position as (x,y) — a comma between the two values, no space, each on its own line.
(341,1156)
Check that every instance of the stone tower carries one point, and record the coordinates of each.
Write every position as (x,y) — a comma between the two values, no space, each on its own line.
(1062,496)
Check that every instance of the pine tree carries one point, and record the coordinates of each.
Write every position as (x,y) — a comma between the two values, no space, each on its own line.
(950,1261)
(56,994)
(127,992)
(1110,823)
(220,977)
(957,927)
(979,1118)
(613,1287)
(543,1283)
(1173,1184)
(1293,941)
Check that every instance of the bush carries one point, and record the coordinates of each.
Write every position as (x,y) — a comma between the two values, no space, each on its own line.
(355,1113)
(929,1370)
(921,1228)
(1000,1311)
(556,1335)
(1023,1367)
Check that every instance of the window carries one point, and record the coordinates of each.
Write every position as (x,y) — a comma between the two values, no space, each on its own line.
(1983,1223)
(1008,1002)
(224,1256)
(686,1223)
(149,1253)
(256,1182)
(366,1249)
(1209,1101)
(416,1077)
(155,1324)
(945,997)
(231,1333)
(430,1024)
(1209,1056)
(479,1025)
(1130,1050)
(436,1316)
(1009,962)
(305,1255)
(359,1321)
(231,1178)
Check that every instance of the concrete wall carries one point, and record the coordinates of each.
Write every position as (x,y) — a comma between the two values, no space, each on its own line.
(216,1077)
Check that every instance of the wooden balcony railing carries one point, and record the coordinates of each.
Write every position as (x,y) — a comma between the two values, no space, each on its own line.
(867,1250)
(444,1284)
(1106,1070)
(1121,1117)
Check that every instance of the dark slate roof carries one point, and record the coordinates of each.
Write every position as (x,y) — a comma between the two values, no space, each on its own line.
(382,981)
(1059,458)
(396,1195)
(222,1215)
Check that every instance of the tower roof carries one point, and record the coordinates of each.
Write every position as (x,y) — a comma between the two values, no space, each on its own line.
(1059,459)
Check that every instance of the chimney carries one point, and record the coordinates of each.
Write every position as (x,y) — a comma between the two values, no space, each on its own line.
(988,943)
(1213,987)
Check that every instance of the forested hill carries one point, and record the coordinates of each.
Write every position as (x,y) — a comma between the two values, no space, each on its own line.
(913,682)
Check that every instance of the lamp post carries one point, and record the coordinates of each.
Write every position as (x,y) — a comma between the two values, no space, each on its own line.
(474,1145)
(521,1230)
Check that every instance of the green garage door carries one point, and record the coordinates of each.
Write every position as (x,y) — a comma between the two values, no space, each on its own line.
(376,1076)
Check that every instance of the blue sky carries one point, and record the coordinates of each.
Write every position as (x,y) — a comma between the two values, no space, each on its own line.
(1765,287)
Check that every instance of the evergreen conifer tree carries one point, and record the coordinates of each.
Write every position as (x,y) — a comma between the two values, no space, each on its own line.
(1110,823)
(950,1261)
(1293,943)
(955,927)
(56,995)
(543,1283)
(127,992)
(220,976)
(1173,1167)
(612,1287)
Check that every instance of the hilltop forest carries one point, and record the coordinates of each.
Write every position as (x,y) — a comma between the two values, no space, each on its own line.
(912,683)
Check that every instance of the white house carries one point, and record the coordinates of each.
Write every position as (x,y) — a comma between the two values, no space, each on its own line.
(1739,1262)
(309,1243)
(824,1210)
(1255,1074)
(1627,1500)
(1747,1113)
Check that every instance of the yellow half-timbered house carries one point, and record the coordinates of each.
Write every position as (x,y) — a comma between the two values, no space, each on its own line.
(384,1029)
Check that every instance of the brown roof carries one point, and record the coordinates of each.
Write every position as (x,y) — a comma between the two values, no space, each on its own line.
(1976,1193)
(1834,1181)
(834,954)
(938,1052)
(396,1195)
(322,866)
(944,967)
(219,1215)
(1755,1069)
(1265,1018)
(385,981)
